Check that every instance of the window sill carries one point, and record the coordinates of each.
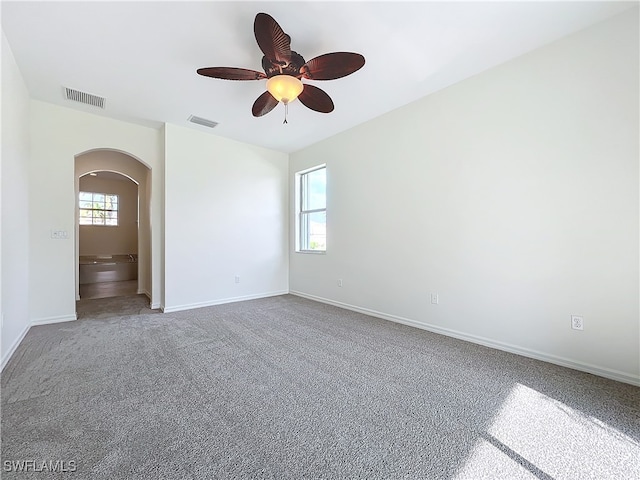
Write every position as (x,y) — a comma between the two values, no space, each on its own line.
(312,252)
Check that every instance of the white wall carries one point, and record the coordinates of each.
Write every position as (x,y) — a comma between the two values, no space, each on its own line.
(513,195)
(226,215)
(121,239)
(14,260)
(57,135)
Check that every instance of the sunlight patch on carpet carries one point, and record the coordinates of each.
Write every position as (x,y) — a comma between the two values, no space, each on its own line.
(549,439)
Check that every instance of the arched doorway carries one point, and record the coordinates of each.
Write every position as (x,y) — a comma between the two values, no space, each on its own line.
(109,166)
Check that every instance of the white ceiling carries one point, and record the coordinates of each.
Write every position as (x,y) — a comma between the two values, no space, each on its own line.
(143,56)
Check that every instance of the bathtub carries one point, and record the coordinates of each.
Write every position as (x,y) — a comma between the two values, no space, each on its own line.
(108,268)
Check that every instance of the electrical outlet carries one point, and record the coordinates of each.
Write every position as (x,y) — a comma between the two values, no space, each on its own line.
(434,298)
(237,278)
(339,282)
(577,322)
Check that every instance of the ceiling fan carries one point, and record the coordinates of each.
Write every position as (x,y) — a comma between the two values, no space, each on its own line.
(284,70)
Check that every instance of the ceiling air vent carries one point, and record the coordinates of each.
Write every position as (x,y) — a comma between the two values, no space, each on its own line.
(202,121)
(82,97)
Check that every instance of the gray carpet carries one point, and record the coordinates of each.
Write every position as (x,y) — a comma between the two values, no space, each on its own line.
(288,388)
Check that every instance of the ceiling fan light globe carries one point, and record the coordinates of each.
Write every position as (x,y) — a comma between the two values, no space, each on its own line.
(284,88)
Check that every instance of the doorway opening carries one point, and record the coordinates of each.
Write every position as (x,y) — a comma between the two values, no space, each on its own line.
(108,235)
(113,227)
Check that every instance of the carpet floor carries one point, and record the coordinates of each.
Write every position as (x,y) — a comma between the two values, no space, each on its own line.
(284,387)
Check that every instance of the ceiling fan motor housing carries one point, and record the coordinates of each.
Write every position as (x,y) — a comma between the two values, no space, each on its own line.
(292,68)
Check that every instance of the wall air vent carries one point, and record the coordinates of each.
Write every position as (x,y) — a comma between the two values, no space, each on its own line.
(202,121)
(82,97)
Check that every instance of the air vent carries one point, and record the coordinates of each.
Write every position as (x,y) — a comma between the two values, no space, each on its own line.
(202,121)
(86,98)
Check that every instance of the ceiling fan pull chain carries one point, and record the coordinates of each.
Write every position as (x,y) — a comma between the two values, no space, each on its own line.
(286,110)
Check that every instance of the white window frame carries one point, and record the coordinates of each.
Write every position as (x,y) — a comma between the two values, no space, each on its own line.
(116,210)
(302,223)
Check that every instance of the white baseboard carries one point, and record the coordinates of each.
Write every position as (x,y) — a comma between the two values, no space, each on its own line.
(152,306)
(8,354)
(178,308)
(58,319)
(487,342)
(144,291)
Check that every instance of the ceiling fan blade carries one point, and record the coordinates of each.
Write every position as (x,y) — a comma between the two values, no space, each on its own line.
(316,99)
(274,43)
(263,104)
(231,73)
(332,65)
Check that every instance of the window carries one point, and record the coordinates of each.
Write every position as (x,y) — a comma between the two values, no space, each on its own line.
(98,209)
(312,210)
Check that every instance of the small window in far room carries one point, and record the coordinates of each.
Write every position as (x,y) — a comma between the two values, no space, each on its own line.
(98,209)
(311,202)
